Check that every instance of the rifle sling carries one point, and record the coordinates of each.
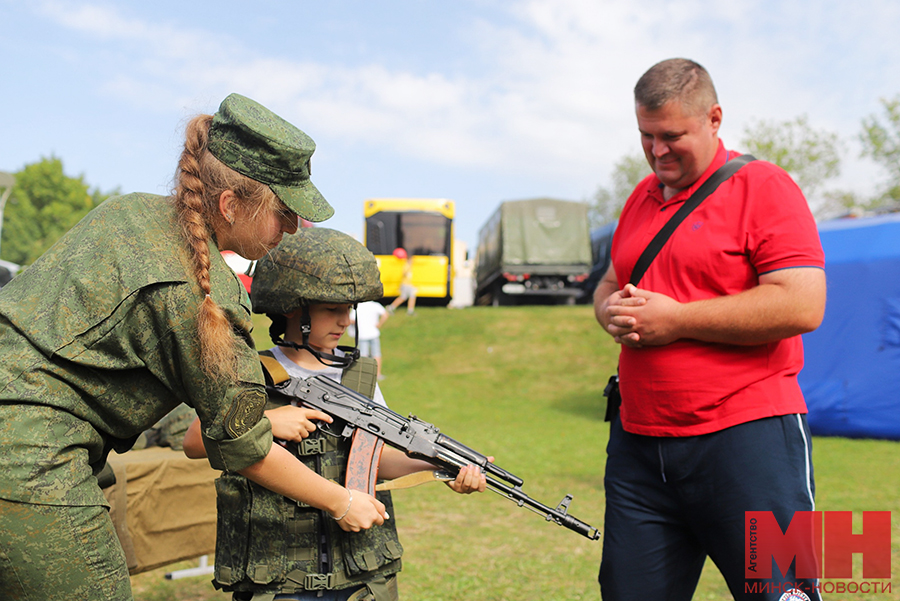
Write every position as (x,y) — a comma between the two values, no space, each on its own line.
(415,479)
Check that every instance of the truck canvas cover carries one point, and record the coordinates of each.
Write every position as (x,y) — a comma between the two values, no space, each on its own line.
(544,231)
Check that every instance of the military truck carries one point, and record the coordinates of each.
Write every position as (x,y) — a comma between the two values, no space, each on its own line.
(533,250)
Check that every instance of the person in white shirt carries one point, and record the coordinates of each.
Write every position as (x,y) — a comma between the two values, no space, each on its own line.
(368,318)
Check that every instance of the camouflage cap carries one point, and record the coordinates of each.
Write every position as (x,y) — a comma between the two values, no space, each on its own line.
(257,143)
(315,265)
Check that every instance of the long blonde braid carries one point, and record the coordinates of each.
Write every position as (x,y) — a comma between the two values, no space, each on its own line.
(200,180)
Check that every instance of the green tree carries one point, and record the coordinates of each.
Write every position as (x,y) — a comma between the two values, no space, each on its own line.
(881,143)
(607,203)
(811,156)
(44,204)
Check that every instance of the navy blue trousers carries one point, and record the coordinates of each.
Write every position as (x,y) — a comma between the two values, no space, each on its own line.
(671,502)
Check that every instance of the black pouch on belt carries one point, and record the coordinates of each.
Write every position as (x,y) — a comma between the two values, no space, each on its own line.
(613,398)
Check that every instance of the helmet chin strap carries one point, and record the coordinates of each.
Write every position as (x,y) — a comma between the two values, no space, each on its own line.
(351,353)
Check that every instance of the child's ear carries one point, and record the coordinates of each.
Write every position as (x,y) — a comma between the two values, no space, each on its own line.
(292,314)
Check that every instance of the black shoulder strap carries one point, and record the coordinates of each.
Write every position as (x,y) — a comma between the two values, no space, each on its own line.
(707,188)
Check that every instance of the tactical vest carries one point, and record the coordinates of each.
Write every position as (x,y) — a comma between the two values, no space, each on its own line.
(268,543)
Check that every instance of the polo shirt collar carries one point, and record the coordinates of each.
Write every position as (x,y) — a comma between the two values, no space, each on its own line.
(722,155)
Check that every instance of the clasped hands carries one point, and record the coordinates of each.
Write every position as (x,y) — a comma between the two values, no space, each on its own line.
(636,318)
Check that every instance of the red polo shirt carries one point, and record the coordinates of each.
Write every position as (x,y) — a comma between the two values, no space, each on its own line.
(756,222)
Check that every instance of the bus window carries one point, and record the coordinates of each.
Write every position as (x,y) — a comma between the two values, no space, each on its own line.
(425,234)
(381,233)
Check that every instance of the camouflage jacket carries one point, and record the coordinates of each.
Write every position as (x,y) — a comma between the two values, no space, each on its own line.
(98,342)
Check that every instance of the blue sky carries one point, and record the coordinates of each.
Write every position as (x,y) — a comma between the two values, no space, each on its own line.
(479,101)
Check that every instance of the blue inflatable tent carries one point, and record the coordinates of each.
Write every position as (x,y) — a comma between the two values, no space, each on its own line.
(851,378)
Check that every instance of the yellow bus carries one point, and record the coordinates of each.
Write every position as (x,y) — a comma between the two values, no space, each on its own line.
(423,227)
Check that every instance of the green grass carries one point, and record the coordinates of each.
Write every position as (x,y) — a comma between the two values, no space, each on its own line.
(524,384)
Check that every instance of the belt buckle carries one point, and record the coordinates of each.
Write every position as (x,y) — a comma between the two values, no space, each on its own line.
(312,446)
(318,582)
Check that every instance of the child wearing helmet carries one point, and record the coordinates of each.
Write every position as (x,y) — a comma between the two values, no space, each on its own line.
(267,546)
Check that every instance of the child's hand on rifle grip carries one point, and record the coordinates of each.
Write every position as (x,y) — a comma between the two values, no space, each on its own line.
(295,423)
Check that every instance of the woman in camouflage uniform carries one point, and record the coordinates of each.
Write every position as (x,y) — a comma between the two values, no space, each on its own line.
(131,313)
(269,547)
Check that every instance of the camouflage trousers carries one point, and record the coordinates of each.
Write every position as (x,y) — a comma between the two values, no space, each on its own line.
(50,552)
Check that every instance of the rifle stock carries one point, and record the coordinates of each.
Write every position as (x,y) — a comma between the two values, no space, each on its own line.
(371,426)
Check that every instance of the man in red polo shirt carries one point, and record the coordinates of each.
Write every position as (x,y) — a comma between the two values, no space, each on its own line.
(712,421)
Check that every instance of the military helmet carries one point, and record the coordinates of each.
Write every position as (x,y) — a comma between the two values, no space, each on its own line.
(315,265)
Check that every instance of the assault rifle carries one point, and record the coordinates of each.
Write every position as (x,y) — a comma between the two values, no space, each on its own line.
(371,426)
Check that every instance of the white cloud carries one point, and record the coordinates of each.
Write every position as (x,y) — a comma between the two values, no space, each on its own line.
(107,23)
(551,95)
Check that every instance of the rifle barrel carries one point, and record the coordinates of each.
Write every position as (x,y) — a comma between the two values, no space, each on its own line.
(562,518)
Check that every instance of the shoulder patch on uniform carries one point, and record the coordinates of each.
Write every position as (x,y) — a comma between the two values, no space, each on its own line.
(246,410)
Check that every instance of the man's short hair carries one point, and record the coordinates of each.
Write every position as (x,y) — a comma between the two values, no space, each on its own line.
(677,79)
